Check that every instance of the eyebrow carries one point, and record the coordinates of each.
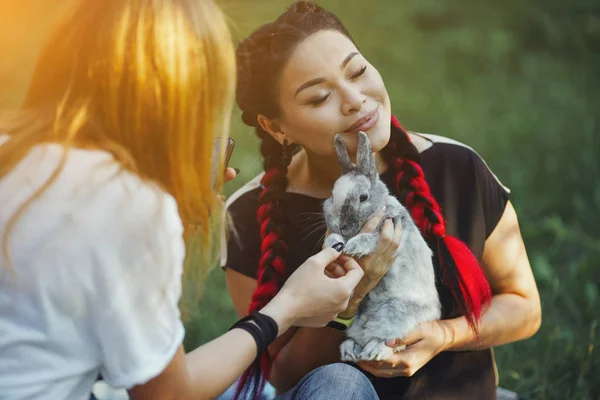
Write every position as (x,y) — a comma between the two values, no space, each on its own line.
(316,81)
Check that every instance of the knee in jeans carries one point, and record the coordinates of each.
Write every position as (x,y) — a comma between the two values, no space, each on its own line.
(343,373)
(335,381)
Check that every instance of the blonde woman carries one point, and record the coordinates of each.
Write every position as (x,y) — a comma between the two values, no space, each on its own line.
(104,175)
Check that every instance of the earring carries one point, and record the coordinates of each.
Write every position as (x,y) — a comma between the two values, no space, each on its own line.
(286,154)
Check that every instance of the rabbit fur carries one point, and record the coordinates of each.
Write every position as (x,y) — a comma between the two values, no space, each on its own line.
(406,295)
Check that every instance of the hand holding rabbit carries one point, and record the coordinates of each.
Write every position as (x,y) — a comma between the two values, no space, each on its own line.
(423,343)
(311,298)
(376,264)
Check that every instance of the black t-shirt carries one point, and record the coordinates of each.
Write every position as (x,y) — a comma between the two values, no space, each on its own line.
(472,201)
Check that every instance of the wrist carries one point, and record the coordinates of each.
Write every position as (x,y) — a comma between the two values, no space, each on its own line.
(281,309)
(350,311)
(448,333)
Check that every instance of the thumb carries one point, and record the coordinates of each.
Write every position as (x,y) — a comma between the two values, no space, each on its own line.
(411,337)
(354,273)
(325,257)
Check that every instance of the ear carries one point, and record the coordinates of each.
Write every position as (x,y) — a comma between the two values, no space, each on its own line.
(342,154)
(272,127)
(364,157)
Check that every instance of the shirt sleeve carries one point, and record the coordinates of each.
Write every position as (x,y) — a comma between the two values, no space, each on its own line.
(493,194)
(240,243)
(138,324)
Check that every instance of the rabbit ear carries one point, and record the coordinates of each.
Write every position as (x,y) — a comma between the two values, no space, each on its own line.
(342,154)
(364,158)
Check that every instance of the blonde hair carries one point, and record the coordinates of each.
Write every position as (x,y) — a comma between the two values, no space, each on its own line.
(151,82)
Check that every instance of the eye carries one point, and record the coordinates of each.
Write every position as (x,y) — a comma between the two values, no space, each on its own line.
(363,197)
(316,102)
(359,73)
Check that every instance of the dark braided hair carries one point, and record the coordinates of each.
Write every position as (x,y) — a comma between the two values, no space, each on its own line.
(464,282)
(261,58)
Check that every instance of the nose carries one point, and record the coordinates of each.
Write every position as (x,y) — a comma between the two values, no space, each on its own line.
(346,230)
(353,99)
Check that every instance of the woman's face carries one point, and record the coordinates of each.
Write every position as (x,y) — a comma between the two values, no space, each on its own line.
(328,87)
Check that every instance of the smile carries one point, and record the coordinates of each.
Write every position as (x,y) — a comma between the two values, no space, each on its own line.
(365,123)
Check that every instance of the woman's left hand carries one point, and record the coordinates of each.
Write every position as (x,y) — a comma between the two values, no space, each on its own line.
(422,344)
(230,174)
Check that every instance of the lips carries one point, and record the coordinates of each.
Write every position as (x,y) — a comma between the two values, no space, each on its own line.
(365,123)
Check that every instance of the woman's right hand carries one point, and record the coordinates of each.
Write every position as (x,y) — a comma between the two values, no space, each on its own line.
(377,264)
(311,298)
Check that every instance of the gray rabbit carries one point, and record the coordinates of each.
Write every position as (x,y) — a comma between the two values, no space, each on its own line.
(406,295)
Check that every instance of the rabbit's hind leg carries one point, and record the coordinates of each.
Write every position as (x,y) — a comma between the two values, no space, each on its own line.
(376,350)
(350,350)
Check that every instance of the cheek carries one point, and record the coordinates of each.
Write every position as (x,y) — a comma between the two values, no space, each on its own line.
(313,128)
(380,136)
(376,87)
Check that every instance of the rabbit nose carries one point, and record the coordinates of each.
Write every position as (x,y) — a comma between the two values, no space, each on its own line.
(345,230)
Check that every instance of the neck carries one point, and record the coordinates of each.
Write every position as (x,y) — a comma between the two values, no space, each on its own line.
(315,175)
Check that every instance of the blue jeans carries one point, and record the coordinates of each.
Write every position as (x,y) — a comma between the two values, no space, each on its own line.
(334,381)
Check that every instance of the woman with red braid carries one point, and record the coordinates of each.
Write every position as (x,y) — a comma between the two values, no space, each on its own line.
(301,80)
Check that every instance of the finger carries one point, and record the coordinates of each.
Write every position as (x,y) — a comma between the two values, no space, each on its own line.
(411,338)
(342,259)
(335,270)
(382,373)
(386,237)
(367,366)
(354,274)
(398,232)
(339,271)
(325,257)
(397,237)
(229,174)
(377,364)
(373,222)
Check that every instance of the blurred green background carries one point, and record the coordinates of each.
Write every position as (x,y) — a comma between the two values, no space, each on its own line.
(517,80)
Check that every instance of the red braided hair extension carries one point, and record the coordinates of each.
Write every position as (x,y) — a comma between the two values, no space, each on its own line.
(273,249)
(460,269)
(271,269)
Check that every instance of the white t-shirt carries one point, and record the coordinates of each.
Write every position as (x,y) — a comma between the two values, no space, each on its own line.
(95,278)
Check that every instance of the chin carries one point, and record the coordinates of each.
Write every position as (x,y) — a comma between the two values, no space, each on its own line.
(379,135)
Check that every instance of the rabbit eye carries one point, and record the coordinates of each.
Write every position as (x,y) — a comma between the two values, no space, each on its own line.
(363,197)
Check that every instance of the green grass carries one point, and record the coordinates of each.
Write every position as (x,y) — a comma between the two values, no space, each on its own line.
(519,83)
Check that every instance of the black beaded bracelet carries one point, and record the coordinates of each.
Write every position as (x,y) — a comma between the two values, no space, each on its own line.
(262,328)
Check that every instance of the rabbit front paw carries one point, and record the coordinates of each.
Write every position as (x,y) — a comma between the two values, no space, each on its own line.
(361,245)
(350,350)
(332,239)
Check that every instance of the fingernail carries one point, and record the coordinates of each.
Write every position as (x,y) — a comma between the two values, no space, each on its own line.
(390,342)
(338,246)
(237,171)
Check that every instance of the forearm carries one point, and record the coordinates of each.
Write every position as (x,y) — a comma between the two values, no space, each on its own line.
(217,364)
(509,318)
(307,350)
(293,361)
